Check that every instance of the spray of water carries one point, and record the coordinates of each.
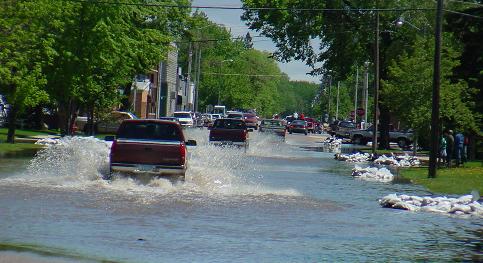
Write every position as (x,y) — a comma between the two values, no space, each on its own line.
(81,162)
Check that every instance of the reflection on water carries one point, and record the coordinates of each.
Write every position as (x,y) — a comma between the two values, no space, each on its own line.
(277,202)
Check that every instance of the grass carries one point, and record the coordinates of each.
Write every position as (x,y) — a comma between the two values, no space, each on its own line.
(456,180)
(25,133)
(9,148)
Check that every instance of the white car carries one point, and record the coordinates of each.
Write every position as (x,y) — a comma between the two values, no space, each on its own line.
(185,118)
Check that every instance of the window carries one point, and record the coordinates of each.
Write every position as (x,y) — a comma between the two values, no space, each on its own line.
(149,131)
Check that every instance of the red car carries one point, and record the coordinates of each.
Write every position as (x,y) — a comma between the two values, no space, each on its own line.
(298,126)
(310,124)
(153,147)
(251,120)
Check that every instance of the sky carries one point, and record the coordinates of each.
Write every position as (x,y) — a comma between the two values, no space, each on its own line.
(296,70)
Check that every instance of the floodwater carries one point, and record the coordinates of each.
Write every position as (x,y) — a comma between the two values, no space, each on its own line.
(278,202)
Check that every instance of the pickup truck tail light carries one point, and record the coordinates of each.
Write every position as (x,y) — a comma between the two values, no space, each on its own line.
(182,151)
(244,135)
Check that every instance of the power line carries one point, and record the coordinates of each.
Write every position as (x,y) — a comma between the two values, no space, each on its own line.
(254,8)
(463,14)
(241,74)
(464,2)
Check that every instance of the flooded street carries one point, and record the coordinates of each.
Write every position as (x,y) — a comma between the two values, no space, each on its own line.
(278,202)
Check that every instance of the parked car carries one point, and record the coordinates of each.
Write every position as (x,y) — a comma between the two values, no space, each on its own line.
(251,120)
(342,128)
(274,126)
(402,138)
(298,126)
(107,124)
(185,118)
(310,124)
(229,132)
(152,147)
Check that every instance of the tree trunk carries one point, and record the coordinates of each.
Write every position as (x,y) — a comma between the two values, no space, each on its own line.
(12,120)
(90,121)
(64,117)
(384,119)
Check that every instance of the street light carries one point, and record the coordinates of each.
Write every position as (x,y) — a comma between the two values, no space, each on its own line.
(401,21)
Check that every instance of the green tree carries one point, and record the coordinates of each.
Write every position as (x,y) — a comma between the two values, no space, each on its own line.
(25,47)
(410,85)
(345,36)
(101,47)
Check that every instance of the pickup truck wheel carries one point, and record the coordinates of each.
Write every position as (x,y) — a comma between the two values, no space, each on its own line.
(290,132)
(305,133)
(402,142)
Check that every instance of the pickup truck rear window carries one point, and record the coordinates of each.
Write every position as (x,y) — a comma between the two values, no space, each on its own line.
(229,124)
(149,131)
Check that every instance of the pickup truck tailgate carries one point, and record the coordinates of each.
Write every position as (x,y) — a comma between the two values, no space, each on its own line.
(147,152)
(232,135)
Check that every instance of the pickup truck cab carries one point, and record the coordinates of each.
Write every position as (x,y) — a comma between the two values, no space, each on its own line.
(403,139)
(153,147)
(229,132)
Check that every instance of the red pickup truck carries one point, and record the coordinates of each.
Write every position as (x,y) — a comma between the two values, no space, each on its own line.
(229,132)
(153,147)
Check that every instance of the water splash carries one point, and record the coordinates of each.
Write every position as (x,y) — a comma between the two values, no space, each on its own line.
(81,162)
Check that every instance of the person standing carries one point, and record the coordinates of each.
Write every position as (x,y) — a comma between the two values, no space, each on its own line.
(449,148)
(459,141)
(442,149)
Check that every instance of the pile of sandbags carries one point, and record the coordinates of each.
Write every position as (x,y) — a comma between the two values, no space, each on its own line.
(332,141)
(398,160)
(464,205)
(372,174)
(353,158)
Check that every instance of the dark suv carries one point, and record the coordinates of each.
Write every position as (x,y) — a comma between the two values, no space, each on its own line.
(153,147)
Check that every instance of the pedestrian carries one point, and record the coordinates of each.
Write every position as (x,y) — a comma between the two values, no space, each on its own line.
(449,148)
(459,140)
(442,149)
(465,147)
(302,116)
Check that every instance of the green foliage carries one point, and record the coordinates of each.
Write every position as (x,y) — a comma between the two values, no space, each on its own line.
(238,76)
(25,47)
(410,85)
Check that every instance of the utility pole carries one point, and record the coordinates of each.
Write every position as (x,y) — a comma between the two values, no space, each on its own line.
(436,88)
(366,92)
(355,96)
(376,81)
(198,73)
(337,107)
(330,87)
(188,76)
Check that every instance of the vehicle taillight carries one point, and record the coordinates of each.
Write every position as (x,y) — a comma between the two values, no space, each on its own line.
(182,152)
(244,135)
(291,126)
